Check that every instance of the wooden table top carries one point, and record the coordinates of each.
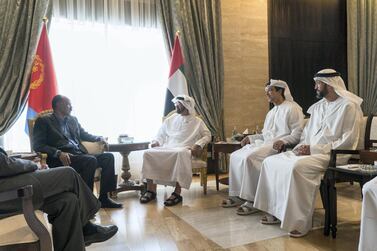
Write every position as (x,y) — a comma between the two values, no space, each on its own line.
(128,147)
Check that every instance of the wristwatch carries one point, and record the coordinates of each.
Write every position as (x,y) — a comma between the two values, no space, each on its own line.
(57,153)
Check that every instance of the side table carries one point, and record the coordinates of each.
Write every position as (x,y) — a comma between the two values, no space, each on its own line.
(221,147)
(344,174)
(125,149)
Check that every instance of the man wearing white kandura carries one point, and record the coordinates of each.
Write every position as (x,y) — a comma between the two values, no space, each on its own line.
(368,227)
(181,136)
(289,181)
(283,125)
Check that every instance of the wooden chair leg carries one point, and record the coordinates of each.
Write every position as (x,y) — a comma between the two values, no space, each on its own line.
(205,187)
(203,179)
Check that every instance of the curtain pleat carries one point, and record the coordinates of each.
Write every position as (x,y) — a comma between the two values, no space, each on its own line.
(20,23)
(199,23)
(362,51)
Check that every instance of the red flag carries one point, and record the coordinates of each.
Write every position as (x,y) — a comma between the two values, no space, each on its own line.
(43,85)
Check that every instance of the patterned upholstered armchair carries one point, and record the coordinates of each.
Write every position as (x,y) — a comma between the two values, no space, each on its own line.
(92,147)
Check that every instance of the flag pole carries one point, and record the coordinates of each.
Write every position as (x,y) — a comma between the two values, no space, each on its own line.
(177,35)
(45,21)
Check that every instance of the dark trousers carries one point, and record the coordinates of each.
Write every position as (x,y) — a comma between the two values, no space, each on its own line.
(69,204)
(86,166)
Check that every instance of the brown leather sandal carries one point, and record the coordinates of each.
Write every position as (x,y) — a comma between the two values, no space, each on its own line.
(173,200)
(147,197)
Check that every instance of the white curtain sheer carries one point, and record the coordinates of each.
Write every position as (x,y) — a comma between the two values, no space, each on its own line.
(115,76)
(136,13)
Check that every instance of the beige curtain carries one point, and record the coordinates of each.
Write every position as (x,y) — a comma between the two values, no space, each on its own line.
(362,51)
(20,22)
(199,23)
(137,13)
(168,22)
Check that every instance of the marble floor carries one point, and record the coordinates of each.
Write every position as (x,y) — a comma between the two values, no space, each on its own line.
(222,225)
(200,224)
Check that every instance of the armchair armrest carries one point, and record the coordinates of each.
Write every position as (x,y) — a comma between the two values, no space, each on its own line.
(23,192)
(94,147)
(26,193)
(204,154)
(24,155)
(334,153)
(31,156)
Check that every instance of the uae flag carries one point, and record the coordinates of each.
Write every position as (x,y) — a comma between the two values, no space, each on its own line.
(177,84)
(43,84)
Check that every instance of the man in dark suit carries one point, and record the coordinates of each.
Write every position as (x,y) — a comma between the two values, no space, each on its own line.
(62,194)
(60,135)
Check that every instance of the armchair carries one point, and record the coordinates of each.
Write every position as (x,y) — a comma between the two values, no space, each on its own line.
(24,231)
(364,155)
(367,140)
(199,165)
(92,147)
(31,122)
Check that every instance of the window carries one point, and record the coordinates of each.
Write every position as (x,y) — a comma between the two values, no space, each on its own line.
(115,76)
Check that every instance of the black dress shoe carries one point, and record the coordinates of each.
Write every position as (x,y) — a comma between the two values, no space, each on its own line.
(109,203)
(101,234)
